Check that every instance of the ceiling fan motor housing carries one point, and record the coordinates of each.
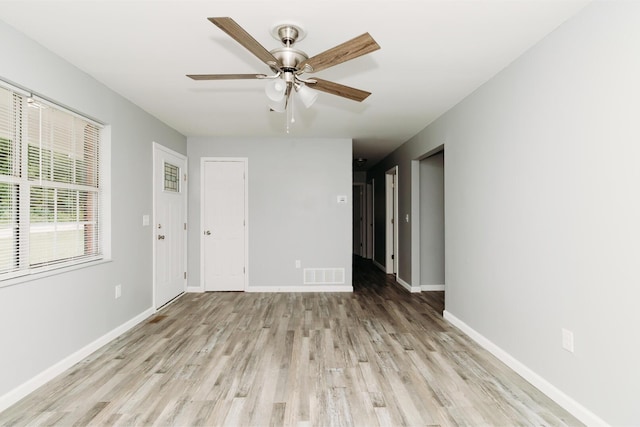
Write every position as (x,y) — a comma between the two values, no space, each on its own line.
(289,57)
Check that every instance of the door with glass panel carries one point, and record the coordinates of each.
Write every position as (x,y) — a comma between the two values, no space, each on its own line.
(170,226)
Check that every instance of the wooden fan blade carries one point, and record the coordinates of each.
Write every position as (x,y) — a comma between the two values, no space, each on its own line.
(340,90)
(346,51)
(226,76)
(237,33)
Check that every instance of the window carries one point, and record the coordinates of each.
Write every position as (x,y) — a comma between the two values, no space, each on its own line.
(49,186)
(171,181)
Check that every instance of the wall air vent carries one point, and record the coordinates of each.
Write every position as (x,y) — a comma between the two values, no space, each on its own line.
(323,276)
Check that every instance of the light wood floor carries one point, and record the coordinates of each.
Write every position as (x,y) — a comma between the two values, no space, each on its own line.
(379,356)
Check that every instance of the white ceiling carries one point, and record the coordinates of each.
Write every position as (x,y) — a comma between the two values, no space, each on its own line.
(433,54)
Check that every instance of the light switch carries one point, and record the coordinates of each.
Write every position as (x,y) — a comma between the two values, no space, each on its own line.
(145,220)
(342,199)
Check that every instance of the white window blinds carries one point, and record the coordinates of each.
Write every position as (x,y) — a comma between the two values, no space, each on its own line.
(10,128)
(49,186)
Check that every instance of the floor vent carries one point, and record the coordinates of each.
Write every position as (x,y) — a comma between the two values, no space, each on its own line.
(324,276)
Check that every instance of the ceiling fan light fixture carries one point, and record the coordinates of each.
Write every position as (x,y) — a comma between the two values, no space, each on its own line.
(307,95)
(279,106)
(288,64)
(275,90)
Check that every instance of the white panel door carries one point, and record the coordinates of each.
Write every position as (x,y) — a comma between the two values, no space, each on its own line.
(169,225)
(224,225)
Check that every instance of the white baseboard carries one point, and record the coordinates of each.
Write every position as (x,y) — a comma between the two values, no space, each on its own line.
(380,266)
(432,288)
(412,289)
(195,289)
(573,407)
(50,373)
(306,288)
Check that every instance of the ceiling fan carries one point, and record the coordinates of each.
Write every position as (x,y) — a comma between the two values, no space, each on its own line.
(289,64)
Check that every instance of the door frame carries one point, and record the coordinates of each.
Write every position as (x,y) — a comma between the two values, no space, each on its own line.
(363,217)
(416,237)
(373,223)
(184,182)
(392,237)
(245,161)
(369,220)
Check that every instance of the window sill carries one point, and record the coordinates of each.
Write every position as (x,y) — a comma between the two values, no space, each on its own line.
(53,272)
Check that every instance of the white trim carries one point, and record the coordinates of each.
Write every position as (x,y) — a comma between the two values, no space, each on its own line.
(195,290)
(388,229)
(576,409)
(373,221)
(185,203)
(52,272)
(244,160)
(48,374)
(415,222)
(416,238)
(396,221)
(380,266)
(407,286)
(432,288)
(104,160)
(392,242)
(307,288)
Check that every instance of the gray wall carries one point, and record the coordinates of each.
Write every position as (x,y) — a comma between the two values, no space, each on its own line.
(432,220)
(293,211)
(44,321)
(542,208)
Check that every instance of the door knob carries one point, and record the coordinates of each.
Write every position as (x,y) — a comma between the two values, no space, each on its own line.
(208,233)
(160,237)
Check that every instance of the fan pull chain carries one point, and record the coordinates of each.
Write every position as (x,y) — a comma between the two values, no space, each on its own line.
(290,113)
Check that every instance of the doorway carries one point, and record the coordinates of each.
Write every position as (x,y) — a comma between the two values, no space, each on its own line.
(391,257)
(170,226)
(369,221)
(432,227)
(224,224)
(359,220)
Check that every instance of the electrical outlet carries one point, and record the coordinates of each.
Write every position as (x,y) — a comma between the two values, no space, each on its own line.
(118,291)
(298,264)
(567,340)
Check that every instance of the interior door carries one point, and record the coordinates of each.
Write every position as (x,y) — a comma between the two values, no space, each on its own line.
(170,196)
(224,225)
